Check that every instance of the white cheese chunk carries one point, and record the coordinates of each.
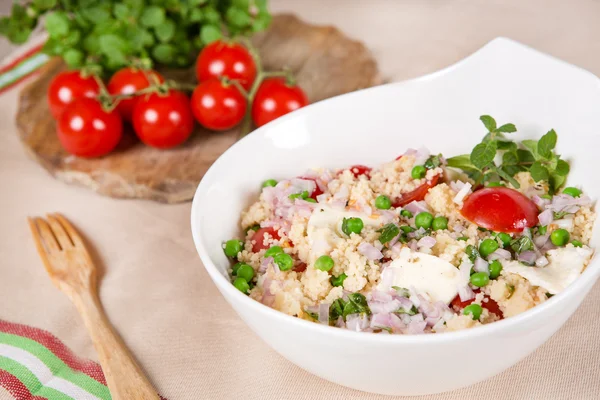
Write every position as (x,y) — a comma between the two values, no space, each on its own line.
(565,265)
(426,274)
(324,229)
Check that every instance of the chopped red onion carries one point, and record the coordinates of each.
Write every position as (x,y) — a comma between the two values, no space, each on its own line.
(394,240)
(546,217)
(465,293)
(340,323)
(303,184)
(265,264)
(322,198)
(416,207)
(426,242)
(541,261)
(370,251)
(457,227)
(380,296)
(416,327)
(465,271)
(540,202)
(357,322)
(268,298)
(410,152)
(387,307)
(528,257)
(413,245)
(421,156)
(462,193)
(342,193)
(324,313)
(405,303)
(339,204)
(500,254)
(387,216)
(380,320)
(396,323)
(565,223)
(481,265)
(396,249)
(540,241)
(378,245)
(564,202)
(417,317)
(387,277)
(547,247)
(415,300)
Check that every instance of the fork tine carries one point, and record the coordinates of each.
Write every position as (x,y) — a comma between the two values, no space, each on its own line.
(73,234)
(35,232)
(47,237)
(59,232)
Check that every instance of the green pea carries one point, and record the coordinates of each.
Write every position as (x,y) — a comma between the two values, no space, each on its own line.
(324,263)
(310,200)
(418,172)
(273,250)
(494,184)
(246,271)
(284,261)
(235,268)
(406,214)
(439,223)
(233,247)
(269,183)
(474,309)
(407,229)
(302,195)
(560,237)
(495,268)
(480,279)
(352,225)
(423,220)
(487,247)
(383,202)
(504,238)
(576,243)
(572,191)
(542,230)
(338,280)
(242,285)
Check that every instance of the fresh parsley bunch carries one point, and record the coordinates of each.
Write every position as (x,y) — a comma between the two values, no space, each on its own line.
(536,156)
(109,34)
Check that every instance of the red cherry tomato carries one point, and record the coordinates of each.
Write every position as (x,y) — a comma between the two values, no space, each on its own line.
(275,98)
(68,86)
(317,190)
(129,80)
(163,121)
(86,130)
(490,304)
(218,106)
(500,209)
(358,170)
(259,237)
(231,60)
(417,194)
(300,267)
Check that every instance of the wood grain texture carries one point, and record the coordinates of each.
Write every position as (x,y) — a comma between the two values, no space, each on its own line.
(325,62)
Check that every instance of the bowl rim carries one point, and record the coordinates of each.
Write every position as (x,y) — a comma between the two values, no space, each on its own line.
(227,288)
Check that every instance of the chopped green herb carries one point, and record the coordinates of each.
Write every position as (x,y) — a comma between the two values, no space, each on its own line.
(548,295)
(511,290)
(521,244)
(388,232)
(254,228)
(402,292)
(357,303)
(338,280)
(336,309)
(560,214)
(406,214)
(412,311)
(576,243)
(472,253)
(463,238)
(433,162)
(313,315)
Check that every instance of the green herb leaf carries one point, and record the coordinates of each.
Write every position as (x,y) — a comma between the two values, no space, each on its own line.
(525,156)
(508,146)
(521,244)
(489,122)
(562,168)
(95,15)
(508,177)
(153,16)
(507,128)
(402,292)
(44,4)
(388,232)
(57,24)
(73,58)
(412,311)
(532,146)
(313,315)
(510,158)
(539,172)
(165,31)
(336,309)
(546,144)
(164,53)
(357,304)
(238,17)
(556,182)
(114,47)
(210,33)
(462,162)
(483,154)
(121,11)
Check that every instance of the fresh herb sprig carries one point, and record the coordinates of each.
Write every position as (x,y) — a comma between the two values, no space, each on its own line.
(105,35)
(535,156)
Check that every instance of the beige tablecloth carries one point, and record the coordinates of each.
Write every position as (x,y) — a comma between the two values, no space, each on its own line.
(158,295)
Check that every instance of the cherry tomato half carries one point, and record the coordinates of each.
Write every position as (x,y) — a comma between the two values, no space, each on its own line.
(228,59)
(218,106)
(163,121)
(500,209)
(490,304)
(358,170)
(259,237)
(317,190)
(129,80)
(85,129)
(68,86)
(417,194)
(275,98)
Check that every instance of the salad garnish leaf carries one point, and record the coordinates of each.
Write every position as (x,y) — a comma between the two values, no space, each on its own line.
(388,232)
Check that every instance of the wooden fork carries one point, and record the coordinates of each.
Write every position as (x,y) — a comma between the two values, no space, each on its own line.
(71,269)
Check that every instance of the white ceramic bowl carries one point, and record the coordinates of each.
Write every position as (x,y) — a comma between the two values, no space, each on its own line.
(509,81)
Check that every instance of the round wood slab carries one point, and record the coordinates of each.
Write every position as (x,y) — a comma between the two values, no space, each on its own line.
(325,62)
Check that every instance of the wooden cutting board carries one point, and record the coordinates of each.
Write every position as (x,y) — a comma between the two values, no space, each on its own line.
(325,62)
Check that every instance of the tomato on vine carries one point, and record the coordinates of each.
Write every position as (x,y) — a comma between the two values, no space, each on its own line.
(226,59)
(275,98)
(86,129)
(68,86)
(218,105)
(129,80)
(163,120)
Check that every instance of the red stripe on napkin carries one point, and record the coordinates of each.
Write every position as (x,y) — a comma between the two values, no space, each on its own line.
(16,388)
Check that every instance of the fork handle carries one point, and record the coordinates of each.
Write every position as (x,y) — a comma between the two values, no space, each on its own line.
(124,377)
